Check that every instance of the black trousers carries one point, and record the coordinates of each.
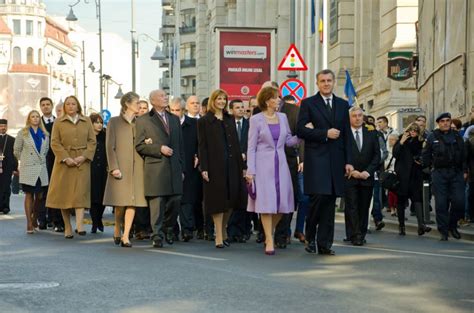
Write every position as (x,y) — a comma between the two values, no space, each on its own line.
(5,190)
(141,220)
(356,211)
(46,214)
(239,224)
(203,222)
(186,218)
(320,220)
(96,212)
(163,214)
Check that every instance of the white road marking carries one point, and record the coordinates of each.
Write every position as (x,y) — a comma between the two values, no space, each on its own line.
(411,252)
(8,217)
(195,256)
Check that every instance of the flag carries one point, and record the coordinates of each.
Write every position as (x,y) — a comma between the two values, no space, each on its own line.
(313,18)
(349,90)
(321,25)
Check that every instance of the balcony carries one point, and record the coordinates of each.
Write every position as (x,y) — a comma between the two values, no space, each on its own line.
(7,9)
(187,30)
(188,63)
(168,20)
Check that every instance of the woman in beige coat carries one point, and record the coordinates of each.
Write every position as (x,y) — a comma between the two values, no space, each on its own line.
(125,183)
(73,143)
(31,147)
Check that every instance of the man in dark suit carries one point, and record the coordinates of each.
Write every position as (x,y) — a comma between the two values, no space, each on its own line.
(239,224)
(47,216)
(8,165)
(360,182)
(294,158)
(159,141)
(192,185)
(323,123)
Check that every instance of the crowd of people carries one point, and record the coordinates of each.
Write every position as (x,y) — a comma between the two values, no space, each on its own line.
(223,170)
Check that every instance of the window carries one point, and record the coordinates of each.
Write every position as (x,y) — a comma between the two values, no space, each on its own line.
(40,29)
(16,55)
(188,51)
(333,16)
(29,28)
(29,56)
(40,56)
(17,27)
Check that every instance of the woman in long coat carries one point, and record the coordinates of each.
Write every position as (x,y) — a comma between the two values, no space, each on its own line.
(98,174)
(73,143)
(407,152)
(125,188)
(268,169)
(31,147)
(221,165)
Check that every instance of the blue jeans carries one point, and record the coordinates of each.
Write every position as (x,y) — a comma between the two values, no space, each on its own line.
(377,207)
(303,204)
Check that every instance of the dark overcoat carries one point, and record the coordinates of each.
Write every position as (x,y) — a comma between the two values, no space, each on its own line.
(324,158)
(409,173)
(221,157)
(99,170)
(9,163)
(192,185)
(163,174)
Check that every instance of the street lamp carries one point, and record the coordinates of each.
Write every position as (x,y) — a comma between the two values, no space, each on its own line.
(83,60)
(71,17)
(108,79)
(157,55)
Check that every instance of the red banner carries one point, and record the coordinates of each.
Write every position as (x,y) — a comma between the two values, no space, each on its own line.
(245,62)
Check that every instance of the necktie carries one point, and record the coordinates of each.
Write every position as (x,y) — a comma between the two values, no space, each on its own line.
(163,117)
(239,129)
(328,105)
(358,142)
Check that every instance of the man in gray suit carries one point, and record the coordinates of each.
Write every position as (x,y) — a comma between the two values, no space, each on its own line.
(160,142)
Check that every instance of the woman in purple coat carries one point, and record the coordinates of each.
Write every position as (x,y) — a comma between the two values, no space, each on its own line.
(267,167)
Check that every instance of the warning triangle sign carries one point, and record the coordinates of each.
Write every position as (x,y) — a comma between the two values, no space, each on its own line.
(292,61)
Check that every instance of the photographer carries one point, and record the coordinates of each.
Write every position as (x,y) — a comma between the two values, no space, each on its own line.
(407,152)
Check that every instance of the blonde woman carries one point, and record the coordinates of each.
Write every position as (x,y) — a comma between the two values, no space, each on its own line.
(73,143)
(125,188)
(31,147)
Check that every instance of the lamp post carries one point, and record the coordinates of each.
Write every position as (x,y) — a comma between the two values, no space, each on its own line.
(157,55)
(108,80)
(83,60)
(72,18)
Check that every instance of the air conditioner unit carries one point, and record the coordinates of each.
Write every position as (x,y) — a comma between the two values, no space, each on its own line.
(184,82)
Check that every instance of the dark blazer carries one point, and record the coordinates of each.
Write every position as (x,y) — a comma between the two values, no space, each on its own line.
(50,155)
(366,160)
(221,157)
(324,158)
(163,175)
(244,136)
(99,170)
(192,184)
(10,163)
(292,111)
(409,173)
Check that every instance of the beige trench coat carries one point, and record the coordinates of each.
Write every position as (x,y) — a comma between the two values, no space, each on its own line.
(70,186)
(121,154)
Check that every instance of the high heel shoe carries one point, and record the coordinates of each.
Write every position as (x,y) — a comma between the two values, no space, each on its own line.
(401,230)
(220,246)
(80,233)
(125,244)
(68,236)
(117,240)
(270,252)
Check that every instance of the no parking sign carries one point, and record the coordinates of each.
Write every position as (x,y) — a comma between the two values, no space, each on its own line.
(293,87)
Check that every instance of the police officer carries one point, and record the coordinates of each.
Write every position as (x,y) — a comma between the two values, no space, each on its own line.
(444,152)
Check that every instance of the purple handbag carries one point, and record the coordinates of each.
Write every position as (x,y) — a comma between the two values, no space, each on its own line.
(252,190)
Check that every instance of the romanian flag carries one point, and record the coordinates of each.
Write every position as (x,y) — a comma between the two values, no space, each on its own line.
(321,25)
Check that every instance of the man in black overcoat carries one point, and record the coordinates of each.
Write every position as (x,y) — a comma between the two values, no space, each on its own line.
(323,123)
(360,182)
(8,165)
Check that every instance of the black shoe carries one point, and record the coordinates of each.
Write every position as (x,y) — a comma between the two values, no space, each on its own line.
(42,226)
(401,230)
(117,240)
(260,238)
(443,237)
(101,227)
(310,247)
(50,225)
(346,240)
(280,245)
(200,235)
(379,225)
(169,238)
(325,251)
(241,239)
(247,237)
(220,246)
(455,234)
(158,243)
(125,244)
(6,210)
(423,229)
(187,237)
(80,233)
(226,243)
(357,242)
(94,229)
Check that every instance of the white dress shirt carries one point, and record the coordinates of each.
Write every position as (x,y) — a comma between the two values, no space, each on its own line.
(361,135)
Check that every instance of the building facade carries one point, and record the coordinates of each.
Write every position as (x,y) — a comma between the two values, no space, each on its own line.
(31,44)
(192,32)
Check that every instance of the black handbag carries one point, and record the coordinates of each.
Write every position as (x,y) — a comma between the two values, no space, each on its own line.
(389,179)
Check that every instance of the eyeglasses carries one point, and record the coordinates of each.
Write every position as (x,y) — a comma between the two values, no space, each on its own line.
(248,111)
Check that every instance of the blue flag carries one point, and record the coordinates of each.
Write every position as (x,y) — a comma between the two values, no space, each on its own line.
(313,18)
(349,90)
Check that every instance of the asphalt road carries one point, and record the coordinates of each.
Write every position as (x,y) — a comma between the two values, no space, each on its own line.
(46,273)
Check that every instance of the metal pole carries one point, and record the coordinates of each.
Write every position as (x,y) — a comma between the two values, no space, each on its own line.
(292,74)
(83,57)
(134,65)
(171,67)
(100,56)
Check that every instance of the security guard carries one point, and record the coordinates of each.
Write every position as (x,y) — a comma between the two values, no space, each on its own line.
(445,154)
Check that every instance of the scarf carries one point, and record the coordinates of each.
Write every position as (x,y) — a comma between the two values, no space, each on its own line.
(37,138)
